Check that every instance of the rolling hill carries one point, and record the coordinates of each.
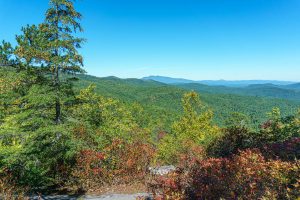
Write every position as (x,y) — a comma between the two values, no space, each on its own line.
(161,102)
(261,90)
(295,86)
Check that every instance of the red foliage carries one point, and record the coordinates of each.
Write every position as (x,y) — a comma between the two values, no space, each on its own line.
(161,135)
(247,175)
(287,150)
(8,188)
(120,162)
(267,124)
(90,162)
(130,161)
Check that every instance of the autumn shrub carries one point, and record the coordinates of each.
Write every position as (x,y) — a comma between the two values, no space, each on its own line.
(288,150)
(231,141)
(131,161)
(8,188)
(168,186)
(247,175)
(187,182)
(118,163)
(257,177)
(89,168)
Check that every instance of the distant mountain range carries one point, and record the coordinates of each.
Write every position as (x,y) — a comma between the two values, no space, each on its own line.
(239,83)
(262,88)
(295,86)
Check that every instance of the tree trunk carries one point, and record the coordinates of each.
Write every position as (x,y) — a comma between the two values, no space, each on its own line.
(57,111)
(56,81)
(57,100)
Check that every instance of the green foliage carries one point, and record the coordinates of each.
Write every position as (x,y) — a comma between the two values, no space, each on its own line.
(53,47)
(37,99)
(231,141)
(278,128)
(61,21)
(238,120)
(161,102)
(45,163)
(193,129)
(263,90)
(15,113)
(274,131)
(108,118)
(6,54)
(32,47)
(30,136)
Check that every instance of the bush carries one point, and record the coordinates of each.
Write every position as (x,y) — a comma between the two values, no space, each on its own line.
(47,158)
(8,189)
(288,150)
(119,163)
(278,129)
(277,137)
(247,175)
(256,177)
(231,141)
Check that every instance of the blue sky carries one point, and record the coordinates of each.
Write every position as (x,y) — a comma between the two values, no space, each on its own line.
(195,39)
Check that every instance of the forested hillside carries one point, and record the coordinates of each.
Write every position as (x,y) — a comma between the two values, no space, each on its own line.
(262,90)
(162,101)
(295,86)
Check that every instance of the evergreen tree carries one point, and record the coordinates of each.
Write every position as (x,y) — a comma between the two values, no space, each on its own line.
(238,120)
(193,130)
(52,47)
(44,52)
(6,54)
(61,21)
(32,48)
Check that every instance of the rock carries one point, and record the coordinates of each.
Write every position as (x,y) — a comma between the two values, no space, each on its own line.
(162,170)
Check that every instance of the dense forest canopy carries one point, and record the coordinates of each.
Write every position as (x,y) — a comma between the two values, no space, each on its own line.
(157,99)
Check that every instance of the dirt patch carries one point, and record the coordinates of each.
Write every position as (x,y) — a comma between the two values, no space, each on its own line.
(119,189)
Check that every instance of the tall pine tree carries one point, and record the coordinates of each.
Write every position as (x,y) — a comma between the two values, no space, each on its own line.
(61,21)
(36,127)
(53,47)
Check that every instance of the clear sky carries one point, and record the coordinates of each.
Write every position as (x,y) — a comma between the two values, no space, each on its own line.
(195,39)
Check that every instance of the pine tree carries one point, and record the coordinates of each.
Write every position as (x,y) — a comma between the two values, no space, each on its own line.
(36,127)
(61,21)
(6,54)
(32,48)
(52,47)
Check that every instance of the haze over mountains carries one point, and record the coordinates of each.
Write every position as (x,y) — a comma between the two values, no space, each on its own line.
(237,83)
(263,88)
